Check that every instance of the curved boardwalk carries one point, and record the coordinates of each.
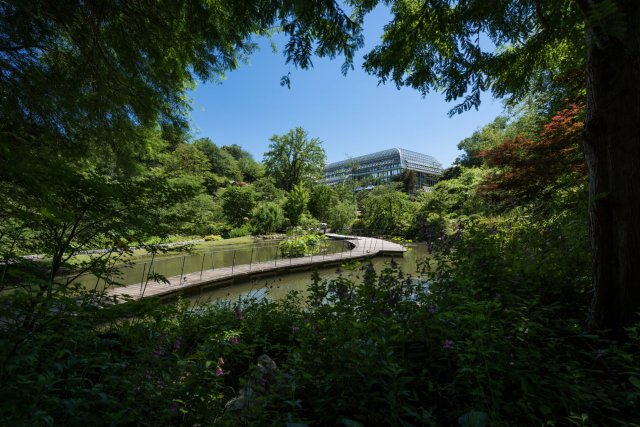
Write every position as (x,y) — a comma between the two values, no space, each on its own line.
(361,247)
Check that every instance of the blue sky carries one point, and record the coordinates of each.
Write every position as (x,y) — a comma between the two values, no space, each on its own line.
(352,115)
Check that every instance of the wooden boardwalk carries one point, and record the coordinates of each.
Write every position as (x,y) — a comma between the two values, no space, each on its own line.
(361,247)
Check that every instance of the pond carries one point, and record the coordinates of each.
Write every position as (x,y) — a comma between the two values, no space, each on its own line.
(278,286)
(258,251)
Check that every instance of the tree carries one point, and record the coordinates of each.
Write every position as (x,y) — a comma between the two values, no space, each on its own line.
(296,204)
(322,200)
(293,158)
(408,179)
(267,191)
(341,215)
(85,74)
(528,169)
(487,137)
(540,45)
(251,170)
(237,204)
(222,162)
(385,210)
(267,217)
(186,159)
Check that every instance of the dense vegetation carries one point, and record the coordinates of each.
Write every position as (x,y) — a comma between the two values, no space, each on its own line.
(498,329)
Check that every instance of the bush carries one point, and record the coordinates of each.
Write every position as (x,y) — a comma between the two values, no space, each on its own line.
(242,231)
(397,350)
(212,238)
(308,244)
(292,248)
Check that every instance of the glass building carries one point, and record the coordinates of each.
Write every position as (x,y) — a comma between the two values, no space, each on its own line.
(384,166)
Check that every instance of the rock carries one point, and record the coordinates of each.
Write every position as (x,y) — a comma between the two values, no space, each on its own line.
(263,378)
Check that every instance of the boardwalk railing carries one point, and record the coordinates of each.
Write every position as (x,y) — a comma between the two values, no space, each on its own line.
(195,271)
(181,265)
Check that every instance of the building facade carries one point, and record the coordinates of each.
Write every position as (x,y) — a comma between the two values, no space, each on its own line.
(384,166)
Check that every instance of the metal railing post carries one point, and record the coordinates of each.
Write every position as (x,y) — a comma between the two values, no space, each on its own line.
(233,262)
(153,257)
(144,269)
(182,270)
(251,258)
(204,255)
(275,263)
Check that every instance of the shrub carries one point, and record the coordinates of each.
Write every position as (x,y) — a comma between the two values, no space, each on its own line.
(307,244)
(244,230)
(212,238)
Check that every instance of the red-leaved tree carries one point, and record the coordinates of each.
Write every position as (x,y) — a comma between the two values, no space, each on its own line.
(535,169)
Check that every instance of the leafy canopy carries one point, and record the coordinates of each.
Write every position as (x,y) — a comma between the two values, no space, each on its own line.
(463,48)
(293,159)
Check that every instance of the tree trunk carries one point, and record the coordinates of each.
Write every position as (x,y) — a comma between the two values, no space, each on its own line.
(612,151)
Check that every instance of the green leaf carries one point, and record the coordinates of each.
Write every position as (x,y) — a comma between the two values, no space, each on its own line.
(473,419)
(350,423)
(635,381)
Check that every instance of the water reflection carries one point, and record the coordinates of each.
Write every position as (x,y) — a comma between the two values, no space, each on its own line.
(277,286)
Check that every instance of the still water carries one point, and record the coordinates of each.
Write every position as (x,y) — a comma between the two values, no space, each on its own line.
(168,266)
(278,286)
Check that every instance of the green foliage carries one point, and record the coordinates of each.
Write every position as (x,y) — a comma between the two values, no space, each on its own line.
(292,248)
(221,161)
(294,159)
(213,238)
(267,217)
(267,191)
(487,137)
(437,46)
(321,201)
(237,204)
(307,244)
(296,204)
(341,216)
(243,230)
(489,334)
(387,211)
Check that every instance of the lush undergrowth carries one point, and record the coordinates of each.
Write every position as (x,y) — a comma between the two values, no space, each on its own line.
(493,335)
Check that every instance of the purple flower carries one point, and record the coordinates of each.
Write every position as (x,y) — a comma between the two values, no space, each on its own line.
(448,344)
(239,314)
(177,343)
(158,352)
(600,353)
(234,340)
(219,371)
(174,407)
(295,328)
(220,361)
(432,309)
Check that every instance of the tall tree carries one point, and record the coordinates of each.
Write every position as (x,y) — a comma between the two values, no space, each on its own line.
(449,46)
(293,158)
